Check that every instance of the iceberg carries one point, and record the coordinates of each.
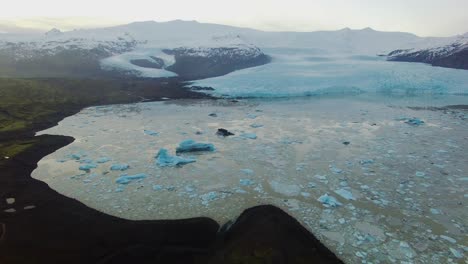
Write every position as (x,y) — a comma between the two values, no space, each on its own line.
(163,159)
(345,194)
(150,132)
(255,125)
(126,179)
(192,146)
(414,121)
(246,182)
(249,135)
(119,167)
(87,167)
(102,160)
(329,201)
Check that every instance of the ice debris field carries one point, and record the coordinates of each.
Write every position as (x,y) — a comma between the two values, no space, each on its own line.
(376,181)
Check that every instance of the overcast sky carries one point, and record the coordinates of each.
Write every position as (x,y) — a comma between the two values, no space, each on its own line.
(422,17)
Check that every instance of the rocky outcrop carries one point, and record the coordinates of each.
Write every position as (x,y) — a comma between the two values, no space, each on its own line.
(200,63)
(155,63)
(454,55)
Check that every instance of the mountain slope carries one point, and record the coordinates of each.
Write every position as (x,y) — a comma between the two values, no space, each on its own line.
(452,55)
(137,49)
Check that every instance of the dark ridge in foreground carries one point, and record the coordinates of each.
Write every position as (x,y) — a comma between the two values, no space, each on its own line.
(63,230)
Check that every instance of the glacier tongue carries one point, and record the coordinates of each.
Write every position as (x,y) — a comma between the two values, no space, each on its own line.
(296,72)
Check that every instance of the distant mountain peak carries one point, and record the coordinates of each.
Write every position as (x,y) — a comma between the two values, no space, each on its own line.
(53,32)
(368,29)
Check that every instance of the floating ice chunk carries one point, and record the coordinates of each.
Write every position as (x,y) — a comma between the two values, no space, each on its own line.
(402,118)
(126,179)
(87,167)
(246,182)
(305,194)
(102,160)
(10,200)
(449,239)
(335,169)
(435,211)
(150,132)
(285,189)
(208,197)
(192,146)
(119,167)
(456,253)
(189,188)
(163,159)
(76,156)
(290,141)
(366,162)
(420,174)
(249,135)
(240,191)
(414,121)
(157,187)
(247,171)
(251,116)
(311,185)
(256,125)
(345,194)
(329,201)
(86,161)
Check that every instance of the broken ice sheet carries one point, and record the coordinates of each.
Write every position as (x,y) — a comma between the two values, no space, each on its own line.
(249,135)
(87,167)
(329,201)
(150,132)
(164,159)
(119,167)
(345,194)
(126,179)
(190,145)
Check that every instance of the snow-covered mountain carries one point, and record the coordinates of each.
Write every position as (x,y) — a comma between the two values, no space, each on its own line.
(451,55)
(189,49)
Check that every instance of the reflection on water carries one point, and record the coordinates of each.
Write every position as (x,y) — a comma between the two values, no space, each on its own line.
(402,188)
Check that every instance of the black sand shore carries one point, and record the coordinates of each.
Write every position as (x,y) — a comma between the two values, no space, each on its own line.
(47,227)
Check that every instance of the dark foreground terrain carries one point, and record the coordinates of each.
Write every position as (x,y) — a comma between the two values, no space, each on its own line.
(43,226)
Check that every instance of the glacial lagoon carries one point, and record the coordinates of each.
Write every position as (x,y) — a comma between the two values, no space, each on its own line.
(357,171)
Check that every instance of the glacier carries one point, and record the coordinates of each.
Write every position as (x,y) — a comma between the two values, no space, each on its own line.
(312,72)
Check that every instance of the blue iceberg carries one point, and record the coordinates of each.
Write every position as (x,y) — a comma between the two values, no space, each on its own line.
(256,125)
(414,121)
(345,194)
(249,135)
(163,159)
(87,167)
(150,132)
(329,201)
(102,160)
(126,179)
(192,146)
(119,167)
(246,182)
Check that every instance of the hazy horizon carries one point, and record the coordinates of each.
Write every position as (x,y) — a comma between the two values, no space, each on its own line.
(423,18)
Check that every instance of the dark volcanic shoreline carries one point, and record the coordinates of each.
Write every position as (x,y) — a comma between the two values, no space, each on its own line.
(47,227)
